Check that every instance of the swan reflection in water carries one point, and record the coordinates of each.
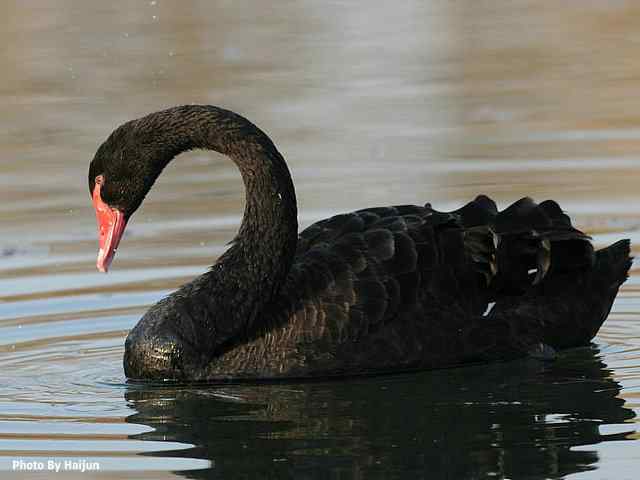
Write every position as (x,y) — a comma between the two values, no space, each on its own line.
(512,419)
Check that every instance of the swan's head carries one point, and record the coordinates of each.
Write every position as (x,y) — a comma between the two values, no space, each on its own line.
(128,163)
(120,176)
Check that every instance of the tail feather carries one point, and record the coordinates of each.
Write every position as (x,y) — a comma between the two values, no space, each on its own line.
(516,248)
(550,286)
(588,297)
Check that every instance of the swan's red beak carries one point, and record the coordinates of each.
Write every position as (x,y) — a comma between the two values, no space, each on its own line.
(111,223)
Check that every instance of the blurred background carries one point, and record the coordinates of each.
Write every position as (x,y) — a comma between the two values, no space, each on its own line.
(371,103)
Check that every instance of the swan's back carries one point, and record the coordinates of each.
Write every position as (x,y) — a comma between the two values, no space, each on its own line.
(406,287)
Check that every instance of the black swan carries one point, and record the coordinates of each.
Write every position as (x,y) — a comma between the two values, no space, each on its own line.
(378,290)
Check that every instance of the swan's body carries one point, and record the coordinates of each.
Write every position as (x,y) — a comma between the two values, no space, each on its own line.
(377,290)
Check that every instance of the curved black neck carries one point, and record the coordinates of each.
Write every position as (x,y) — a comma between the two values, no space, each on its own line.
(250,273)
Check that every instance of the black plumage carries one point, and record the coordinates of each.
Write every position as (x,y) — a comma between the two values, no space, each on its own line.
(376,290)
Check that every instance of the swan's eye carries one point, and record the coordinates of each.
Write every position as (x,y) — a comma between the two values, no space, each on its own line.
(103,189)
(112,191)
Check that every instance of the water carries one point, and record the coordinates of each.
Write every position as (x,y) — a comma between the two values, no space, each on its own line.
(371,105)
